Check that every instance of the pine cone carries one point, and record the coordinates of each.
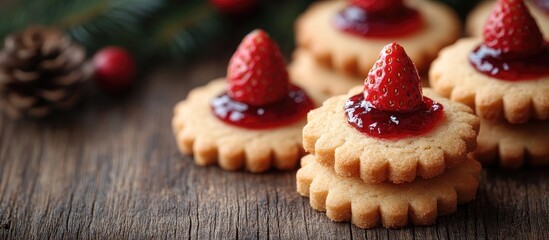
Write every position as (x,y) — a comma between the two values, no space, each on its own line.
(41,70)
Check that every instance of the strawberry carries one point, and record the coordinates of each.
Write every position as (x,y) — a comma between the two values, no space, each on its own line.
(393,83)
(257,72)
(378,5)
(512,30)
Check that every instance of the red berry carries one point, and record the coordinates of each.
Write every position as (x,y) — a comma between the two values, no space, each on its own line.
(257,72)
(393,83)
(511,29)
(114,69)
(378,5)
(234,7)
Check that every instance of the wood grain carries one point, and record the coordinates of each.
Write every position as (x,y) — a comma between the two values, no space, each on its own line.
(111,170)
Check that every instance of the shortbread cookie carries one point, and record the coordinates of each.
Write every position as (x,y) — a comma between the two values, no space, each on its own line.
(336,143)
(252,119)
(354,55)
(369,205)
(311,75)
(212,141)
(452,76)
(477,18)
(513,145)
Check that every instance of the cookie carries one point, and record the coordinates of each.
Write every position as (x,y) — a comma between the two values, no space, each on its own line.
(311,75)
(513,145)
(336,143)
(369,205)
(212,141)
(452,76)
(354,55)
(308,73)
(477,18)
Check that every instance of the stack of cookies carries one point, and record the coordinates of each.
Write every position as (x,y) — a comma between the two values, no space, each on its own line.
(505,78)
(389,153)
(338,41)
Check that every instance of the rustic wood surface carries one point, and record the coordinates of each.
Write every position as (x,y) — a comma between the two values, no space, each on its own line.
(111,170)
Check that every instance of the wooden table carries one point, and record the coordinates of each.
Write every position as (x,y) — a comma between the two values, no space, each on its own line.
(112,170)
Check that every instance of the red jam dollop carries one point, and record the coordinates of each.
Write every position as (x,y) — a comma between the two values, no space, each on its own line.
(357,21)
(292,108)
(392,125)
(494,63)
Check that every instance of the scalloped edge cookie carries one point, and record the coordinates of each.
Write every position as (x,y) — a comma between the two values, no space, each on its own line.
(478,16)
(336,143)
(308,73)
(513,145)
(211,141)
(391,205)
(354,55)
(311,75)
(452,76)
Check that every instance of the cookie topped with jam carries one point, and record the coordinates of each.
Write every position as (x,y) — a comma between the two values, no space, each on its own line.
(391,129)
(346,35)
(504,76)
(252,119)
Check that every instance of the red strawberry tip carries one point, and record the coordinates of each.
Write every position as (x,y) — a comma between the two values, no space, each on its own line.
(234,7)
(378,5)
(393,83)
(512,30)
(257,73)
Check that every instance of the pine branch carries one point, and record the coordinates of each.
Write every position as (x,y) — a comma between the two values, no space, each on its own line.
(93,23)
(185,28)
(110,22)
(170,29)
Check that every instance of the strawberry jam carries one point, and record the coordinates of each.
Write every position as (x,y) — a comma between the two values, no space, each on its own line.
(357,21)
(392,125)
(290,109)
(495,64)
